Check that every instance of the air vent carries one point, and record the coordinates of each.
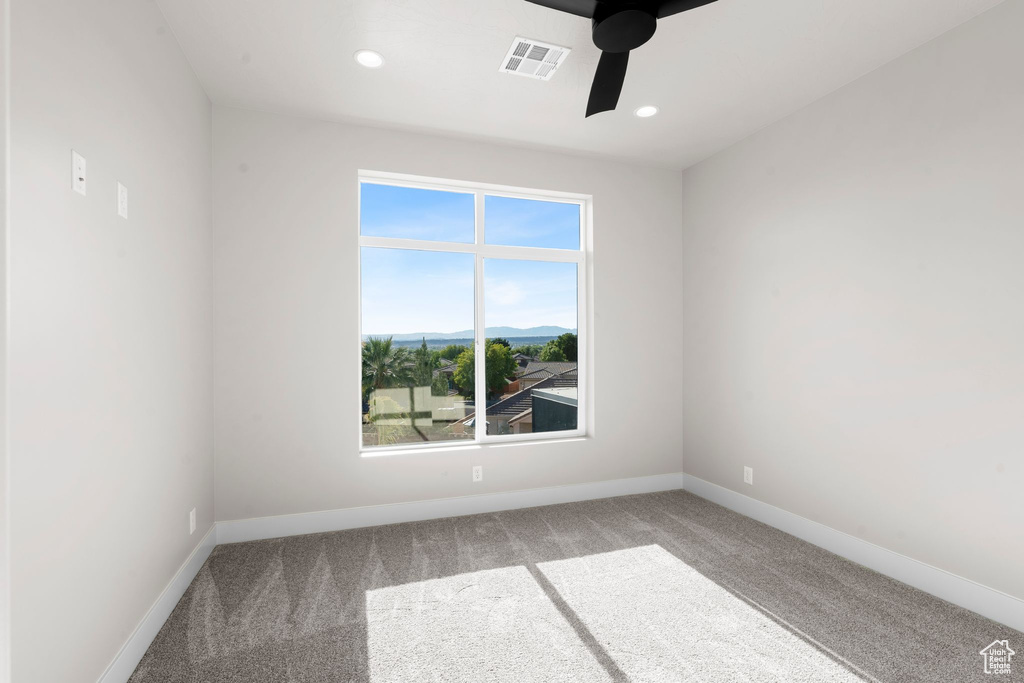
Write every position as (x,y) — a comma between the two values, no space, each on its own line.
(533,58)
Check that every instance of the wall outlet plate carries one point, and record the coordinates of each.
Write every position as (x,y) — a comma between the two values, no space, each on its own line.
(192,522)
(748,475)
(478,473)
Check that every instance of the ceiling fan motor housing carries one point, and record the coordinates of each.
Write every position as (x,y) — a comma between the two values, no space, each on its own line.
(624,26)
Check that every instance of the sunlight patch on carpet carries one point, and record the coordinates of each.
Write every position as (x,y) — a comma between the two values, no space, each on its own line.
(661,620)
(492,625)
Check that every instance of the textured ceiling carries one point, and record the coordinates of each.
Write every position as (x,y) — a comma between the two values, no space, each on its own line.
(718,73)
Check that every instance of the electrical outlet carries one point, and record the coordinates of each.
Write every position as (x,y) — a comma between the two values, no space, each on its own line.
(478,473)
(192,522)
(122,200)
(748,475)
(77,172)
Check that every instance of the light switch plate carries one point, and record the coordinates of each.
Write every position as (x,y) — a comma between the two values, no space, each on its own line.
(122,200)
(77,172)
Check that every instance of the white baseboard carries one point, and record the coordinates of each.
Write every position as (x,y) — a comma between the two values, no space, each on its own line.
(131,653)
(375,515)
(334,520)
(988,602)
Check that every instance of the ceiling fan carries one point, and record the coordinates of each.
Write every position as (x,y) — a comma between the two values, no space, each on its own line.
(619,26)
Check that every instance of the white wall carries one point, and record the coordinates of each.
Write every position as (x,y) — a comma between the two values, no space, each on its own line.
(852,305)
(5,541)
(110,328)
(286,368)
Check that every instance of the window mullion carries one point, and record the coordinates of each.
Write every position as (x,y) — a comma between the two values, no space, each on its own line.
(417,245)
(480,398)
(530,253)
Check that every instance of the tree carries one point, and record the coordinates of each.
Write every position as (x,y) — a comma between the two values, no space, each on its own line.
(423,366)
(500,366)
(440,385)
(551,353)
(568,344)
(531,350)
(384,365)
(500,340)
(464,376)
(452,351)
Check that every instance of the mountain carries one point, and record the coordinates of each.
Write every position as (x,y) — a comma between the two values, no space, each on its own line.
(507,332)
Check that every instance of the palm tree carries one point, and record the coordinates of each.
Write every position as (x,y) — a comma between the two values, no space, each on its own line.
(385,365)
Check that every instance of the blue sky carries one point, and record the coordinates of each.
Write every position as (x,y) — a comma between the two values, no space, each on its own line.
(416,291)
(529,293)
(408,291)
(531,223)
(412,213)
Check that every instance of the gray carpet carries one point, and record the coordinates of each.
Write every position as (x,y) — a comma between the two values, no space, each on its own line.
(657,587)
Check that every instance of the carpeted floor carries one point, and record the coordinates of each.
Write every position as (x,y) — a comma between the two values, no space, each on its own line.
(657,587)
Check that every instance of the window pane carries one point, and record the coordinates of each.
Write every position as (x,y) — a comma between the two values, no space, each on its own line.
(531,223)
(417,346)
(412,213)
(531,316)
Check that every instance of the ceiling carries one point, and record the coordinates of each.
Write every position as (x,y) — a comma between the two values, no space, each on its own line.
(718,73)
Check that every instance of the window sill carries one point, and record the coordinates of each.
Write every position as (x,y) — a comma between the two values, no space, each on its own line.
(474,446)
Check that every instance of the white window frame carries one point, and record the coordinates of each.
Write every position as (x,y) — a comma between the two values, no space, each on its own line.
(581,257)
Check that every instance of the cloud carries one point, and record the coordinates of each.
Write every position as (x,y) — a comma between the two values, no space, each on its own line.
(505,293)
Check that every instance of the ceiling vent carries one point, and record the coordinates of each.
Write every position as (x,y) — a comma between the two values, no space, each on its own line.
(534,59)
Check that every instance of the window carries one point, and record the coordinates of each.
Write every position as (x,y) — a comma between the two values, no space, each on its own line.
(472,313)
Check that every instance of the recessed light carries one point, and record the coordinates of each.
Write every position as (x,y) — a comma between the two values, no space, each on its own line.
(646,112)
(369,59)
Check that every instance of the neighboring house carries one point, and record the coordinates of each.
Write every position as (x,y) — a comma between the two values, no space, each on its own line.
(447,368)
(555,409)
(514,414)
(522,360)
(537,371)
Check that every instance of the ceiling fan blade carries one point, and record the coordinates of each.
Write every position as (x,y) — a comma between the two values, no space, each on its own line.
(611,74)
(581,8)
(669,7)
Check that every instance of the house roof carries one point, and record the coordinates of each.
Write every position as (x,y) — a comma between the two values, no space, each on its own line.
(526,413)
(521,401)
(542,369)
(447,367)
